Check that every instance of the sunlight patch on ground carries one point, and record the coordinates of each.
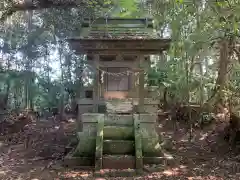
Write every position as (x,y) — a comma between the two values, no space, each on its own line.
(74,174)
(56,127)
(184,139)
(1,144)
(203,136)
(71,120)
(204,177)
(3,172)
(167,156)
(171,172)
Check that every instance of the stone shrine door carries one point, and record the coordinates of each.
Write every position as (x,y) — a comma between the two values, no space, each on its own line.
(117,83)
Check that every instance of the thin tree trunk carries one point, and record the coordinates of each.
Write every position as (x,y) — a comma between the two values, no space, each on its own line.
(222,71)
(28,73)
(62,79)
(201,89)
(5,100)
(206,64)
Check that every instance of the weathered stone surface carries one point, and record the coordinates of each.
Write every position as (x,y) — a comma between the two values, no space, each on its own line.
(119,106)
(150,108)
(89,126)
(146,101)
(118,147)
(118,162)
(91,117)
(117,119)
(86,146)
(150,138)
(99,144)
(117,129)
(148,118)
(138,144)
(90,129)
(102,108)
(85,101)
(118,133)
(151,147)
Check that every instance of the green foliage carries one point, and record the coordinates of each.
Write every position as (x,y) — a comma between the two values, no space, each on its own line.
(129,9)
(196,27)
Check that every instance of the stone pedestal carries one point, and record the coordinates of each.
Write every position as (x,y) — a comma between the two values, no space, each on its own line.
(119,127)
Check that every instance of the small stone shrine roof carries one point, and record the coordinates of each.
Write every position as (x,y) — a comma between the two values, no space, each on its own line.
(119,28)
(109,36)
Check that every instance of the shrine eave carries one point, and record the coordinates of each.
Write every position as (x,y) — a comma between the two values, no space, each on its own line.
(115,46)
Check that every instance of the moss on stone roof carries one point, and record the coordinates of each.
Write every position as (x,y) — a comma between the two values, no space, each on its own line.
(119,28)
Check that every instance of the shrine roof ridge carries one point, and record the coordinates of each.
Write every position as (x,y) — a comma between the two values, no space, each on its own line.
(166,40)
(88,22)
(118,19)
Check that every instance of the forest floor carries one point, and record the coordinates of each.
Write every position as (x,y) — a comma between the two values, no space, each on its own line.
(193,160)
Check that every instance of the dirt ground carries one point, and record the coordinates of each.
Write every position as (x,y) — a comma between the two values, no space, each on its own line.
(199,159)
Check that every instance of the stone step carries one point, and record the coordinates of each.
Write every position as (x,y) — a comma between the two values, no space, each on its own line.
(119,119)
(118,162)
(127,120)
(118,147)
(113,119)
(118,133)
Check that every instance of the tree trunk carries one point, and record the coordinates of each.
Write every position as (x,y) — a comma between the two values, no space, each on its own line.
(224,62)
(5,100)
(28,68)
(201,89)
(206,64)
(60,49)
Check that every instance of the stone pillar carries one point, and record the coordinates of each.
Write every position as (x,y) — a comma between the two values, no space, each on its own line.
(147,66)
(96,84)
(87,138)
(141,86)
(102,85)
(151,142)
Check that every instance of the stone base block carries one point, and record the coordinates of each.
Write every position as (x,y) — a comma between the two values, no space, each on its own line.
(113,162)
(118,147)
(118,162)
(118,133)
